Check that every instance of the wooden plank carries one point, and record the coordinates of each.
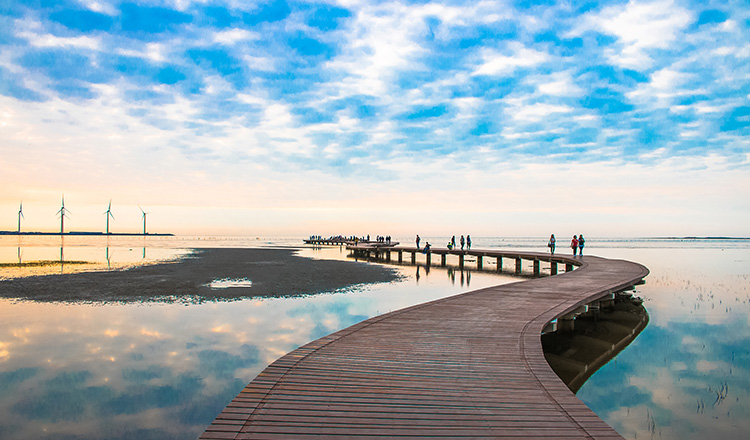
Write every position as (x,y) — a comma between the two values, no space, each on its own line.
(466,366)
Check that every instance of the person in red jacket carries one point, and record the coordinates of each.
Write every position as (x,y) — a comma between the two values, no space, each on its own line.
(574,244)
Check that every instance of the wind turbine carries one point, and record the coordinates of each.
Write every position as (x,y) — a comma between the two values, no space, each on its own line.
(62,213)
(144,219)
(20,215)
(109,214)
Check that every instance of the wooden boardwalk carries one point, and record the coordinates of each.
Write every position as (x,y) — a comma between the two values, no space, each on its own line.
(467,366)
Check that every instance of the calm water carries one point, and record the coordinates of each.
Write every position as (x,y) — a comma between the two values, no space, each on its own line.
(165,371)
(162,371)
(687,375)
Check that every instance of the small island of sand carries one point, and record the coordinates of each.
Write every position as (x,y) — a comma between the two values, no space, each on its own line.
(273,272)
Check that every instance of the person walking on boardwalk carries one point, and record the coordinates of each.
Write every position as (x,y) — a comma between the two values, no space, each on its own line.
(551,244)
(468,242)
(463,241)
(581,243)
(417,241)
(453,242)
(574,244)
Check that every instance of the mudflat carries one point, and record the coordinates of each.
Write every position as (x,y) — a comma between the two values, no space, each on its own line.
(273,272)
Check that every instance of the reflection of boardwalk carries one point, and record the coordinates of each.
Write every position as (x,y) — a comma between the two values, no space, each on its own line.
(469,365)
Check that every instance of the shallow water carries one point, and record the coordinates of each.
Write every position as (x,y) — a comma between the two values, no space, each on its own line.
(687,375)
(165,370)
(70,254)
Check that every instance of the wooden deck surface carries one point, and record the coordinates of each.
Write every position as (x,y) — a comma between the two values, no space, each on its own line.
(467,366)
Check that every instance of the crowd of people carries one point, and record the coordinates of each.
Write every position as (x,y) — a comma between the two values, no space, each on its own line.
(351,238)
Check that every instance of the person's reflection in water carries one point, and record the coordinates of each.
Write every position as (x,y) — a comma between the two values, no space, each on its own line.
(462,278)
(452,275)
(468,278)
(417,275)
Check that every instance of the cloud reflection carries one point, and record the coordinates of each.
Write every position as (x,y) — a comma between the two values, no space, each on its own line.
(688,374)
(172,370)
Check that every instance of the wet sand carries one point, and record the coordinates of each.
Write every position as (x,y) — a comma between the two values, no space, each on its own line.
(273,272)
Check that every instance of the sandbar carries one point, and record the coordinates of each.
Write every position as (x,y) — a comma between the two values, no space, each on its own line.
(273,272)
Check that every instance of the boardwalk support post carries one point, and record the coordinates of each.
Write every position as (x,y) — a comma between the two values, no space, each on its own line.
(499,264)
(536,267)
(479,261)
(566,324)
(518,265)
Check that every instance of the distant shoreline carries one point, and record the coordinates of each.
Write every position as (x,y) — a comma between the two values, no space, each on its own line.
(103,234)
(698,238)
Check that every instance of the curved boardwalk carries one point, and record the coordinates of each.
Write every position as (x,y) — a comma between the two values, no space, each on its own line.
(468,366)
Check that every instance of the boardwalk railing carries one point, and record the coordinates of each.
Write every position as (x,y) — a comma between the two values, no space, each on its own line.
(470,365)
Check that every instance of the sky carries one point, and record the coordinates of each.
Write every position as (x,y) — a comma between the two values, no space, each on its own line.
(494,118)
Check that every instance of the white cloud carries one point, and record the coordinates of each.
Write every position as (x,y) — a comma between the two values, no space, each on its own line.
(663,86)
(497,64)
(537,112)
(380,41)
(33,32)
(234,36)
(156,52)
(638,26)
(99,6)
(556,84)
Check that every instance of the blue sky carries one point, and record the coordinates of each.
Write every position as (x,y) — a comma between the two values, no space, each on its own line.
(499,117)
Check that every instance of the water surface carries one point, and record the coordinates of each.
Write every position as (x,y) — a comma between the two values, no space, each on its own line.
(164,371)
(687,375)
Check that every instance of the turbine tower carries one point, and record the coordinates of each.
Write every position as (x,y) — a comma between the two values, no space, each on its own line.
(109,214)
(144,219)
(62,213)
(20,215)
